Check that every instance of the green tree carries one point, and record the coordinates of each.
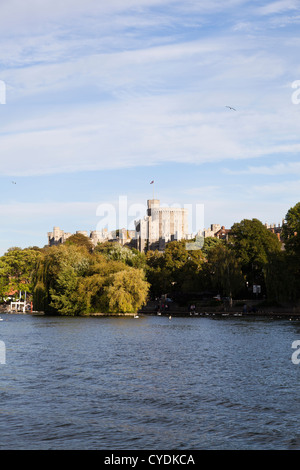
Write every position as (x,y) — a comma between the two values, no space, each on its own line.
(71,281)
(127,291)
(281,280)
(291,228)
(64,298)
(225,270)
(184,266)
(211,242)
(80,240)
(175,270)
(157,274)
(253,243)
(4,278)
(115,251)
(17,267)
(57,273)
(291,232)
(291,237)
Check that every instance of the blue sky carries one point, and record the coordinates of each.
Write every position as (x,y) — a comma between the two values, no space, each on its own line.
(103,97)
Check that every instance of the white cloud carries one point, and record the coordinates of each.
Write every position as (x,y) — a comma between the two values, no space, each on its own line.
(284,189)
(36,12)
(226,206)
(20,211)
(141,131)
(130,83)
(279,6)
(115,69)
(289,168)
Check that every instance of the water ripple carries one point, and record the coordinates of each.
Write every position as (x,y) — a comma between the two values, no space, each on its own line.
(116,384)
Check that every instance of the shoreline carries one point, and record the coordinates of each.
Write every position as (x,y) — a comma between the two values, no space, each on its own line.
(227,314)
(272,314)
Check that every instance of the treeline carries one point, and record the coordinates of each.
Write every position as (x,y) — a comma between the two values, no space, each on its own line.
(75,278)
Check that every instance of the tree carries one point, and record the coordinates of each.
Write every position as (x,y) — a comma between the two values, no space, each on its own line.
(4,278)
(184,266)
(281,280)
(225,270)
(175,270)
(291,231)
(64,298)
(211,242)
(127,291)
(71,281)
(157,275)
(291,228)
(80,240)
(117,252)
(253,243)
(17,267)
(56,276)
(291,236)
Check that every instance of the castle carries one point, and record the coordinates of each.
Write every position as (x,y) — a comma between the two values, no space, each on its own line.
(123,236)
(158,227)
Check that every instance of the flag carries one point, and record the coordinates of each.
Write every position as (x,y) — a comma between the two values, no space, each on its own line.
(152,182)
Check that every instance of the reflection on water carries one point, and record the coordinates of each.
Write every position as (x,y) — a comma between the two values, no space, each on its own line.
(148,383)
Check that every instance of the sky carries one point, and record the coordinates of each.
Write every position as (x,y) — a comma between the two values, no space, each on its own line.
(98,99)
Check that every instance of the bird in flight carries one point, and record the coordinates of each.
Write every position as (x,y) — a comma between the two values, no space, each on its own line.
(13,182)
(230,108)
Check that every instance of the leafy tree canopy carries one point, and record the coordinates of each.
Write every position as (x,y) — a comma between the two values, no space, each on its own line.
(17,268)
(72,281)
(211,242)
(117,252)
(79,239)
(127,291)
(291,231)
(252,242)
(225,270)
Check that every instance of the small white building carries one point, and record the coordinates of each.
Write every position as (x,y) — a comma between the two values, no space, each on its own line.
(17,306)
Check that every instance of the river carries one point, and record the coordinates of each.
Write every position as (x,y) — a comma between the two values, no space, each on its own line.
(149,383)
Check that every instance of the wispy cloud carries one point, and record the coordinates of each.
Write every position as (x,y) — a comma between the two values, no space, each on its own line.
(97,86)
(141,131)
(22,210)
(290,168)
(279,7)
(284,189)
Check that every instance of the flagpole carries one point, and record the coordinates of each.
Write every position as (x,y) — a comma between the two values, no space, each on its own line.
(152,182)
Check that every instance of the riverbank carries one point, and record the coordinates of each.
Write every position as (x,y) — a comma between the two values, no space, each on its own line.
(96,314)
(245,309)
(182,312)
(224,313)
